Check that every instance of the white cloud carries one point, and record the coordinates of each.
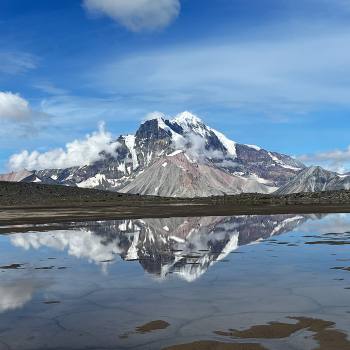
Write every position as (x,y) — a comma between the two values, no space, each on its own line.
(154,115)
(336,160)
(16,62)
(50,88)
(136,15)
(76,153)
(14,107)
(291,72)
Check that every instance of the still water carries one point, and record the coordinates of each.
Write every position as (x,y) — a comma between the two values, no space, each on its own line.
(242,282)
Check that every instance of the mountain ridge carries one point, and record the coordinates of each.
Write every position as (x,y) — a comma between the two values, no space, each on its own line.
(315,179)
(235,167)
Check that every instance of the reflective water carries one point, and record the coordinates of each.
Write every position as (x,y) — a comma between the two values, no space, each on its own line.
(244,282)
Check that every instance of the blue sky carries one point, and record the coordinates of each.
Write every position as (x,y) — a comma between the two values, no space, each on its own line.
(275,73)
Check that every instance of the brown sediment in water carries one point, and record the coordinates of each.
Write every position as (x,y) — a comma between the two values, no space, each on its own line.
(215,345)
(327,337)
(152,326)
(147,328)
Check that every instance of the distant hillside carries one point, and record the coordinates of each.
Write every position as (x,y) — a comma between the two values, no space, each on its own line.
(315,179)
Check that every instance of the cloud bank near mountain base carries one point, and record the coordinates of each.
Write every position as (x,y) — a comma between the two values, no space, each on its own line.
(75,153)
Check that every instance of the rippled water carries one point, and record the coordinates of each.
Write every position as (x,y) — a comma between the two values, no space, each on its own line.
(243,282)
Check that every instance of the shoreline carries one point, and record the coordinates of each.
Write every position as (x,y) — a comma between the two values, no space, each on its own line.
(90,212)
(29,203)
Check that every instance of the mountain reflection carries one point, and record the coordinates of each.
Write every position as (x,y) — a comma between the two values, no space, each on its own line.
(186,247)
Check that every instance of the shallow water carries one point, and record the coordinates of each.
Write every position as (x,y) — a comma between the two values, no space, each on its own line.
(244,282)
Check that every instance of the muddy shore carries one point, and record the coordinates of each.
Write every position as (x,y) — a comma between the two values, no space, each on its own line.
(32,215)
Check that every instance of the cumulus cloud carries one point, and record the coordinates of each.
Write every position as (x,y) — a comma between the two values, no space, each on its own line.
(136,15)
(14,107)
(336,160)
(76,153)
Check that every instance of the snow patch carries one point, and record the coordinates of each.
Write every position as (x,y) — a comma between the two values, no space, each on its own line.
(121,167)
(92,181)
(228,144)
(281,163)
(175,153)
(177,239)
(257,148)
(130,143)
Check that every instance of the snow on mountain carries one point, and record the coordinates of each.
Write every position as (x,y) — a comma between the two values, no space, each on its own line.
(213,163)
(228,144)
(130,144)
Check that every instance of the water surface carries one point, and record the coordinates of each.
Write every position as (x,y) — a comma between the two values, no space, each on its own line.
(243,282)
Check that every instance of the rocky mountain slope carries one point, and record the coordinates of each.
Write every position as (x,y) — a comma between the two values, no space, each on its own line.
(315,179)
(176,175)
(177,157)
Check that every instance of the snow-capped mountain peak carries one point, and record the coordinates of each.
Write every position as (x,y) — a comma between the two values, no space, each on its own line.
(180,156)
(187,118)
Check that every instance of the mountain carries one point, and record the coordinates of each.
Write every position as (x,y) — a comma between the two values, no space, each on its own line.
(180,156)
(186,247)
(315,179)
(176,175)
(16,176)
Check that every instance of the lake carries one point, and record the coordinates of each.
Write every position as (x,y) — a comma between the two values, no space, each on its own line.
(243,282)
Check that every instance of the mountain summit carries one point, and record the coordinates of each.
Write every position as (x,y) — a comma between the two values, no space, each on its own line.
(178,157)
